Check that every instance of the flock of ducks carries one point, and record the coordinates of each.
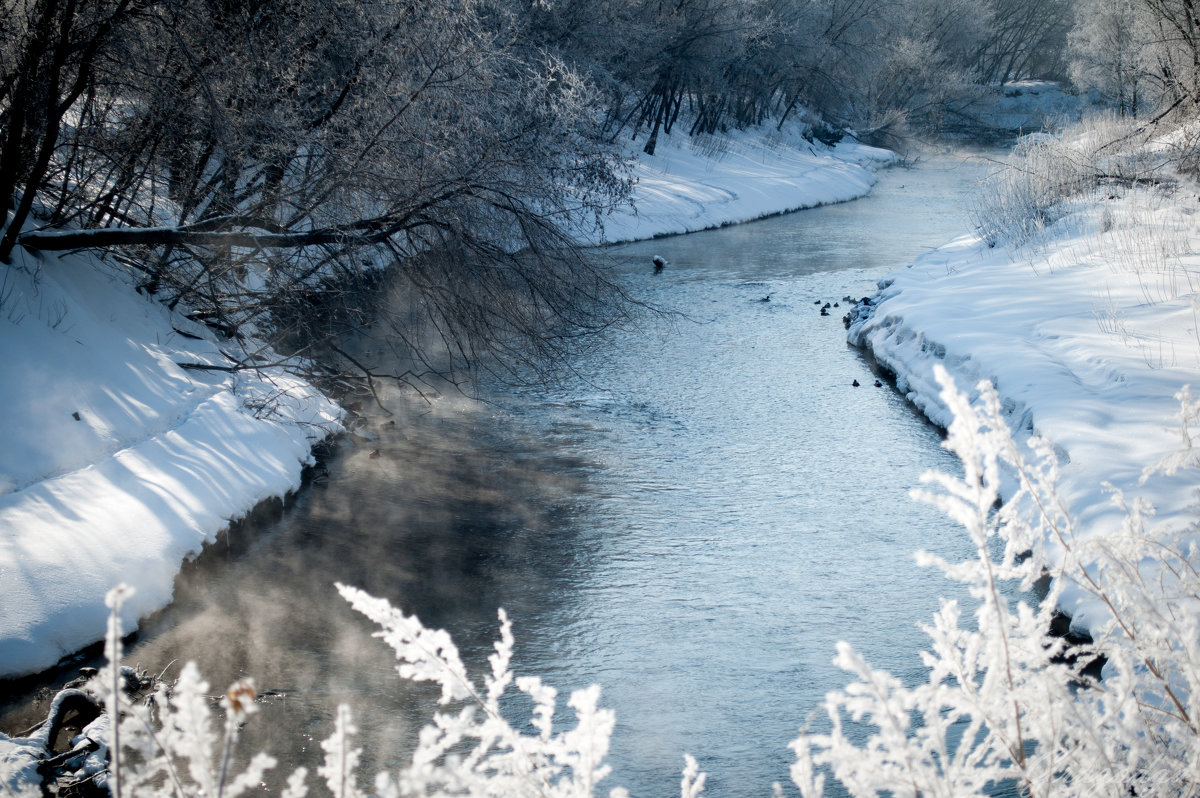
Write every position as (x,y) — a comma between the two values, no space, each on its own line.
(660,263)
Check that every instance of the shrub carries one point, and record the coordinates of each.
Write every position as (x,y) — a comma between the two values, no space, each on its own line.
(1006,704)
(1046,171)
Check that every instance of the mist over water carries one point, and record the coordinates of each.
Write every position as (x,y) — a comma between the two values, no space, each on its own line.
(692,521)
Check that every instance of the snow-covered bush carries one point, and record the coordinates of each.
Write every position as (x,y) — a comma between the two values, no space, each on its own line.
(1047,171)
(1116,186)
(1007,705)
(475,751)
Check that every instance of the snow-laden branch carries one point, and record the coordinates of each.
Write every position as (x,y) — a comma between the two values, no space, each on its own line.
(358,234)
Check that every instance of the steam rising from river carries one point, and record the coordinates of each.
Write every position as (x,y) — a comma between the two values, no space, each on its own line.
(434,508)
(692,524)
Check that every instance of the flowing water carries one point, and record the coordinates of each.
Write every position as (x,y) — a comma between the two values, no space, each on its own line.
(693,522)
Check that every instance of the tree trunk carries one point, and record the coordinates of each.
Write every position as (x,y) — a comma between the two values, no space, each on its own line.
(43,87)
(28,96)
(660,115)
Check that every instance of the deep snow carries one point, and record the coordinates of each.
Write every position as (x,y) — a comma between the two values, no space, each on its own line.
(117,464)
(1087,332)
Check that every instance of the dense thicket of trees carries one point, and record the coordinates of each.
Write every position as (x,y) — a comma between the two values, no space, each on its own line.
(255,159)
(251,160)
(714,64)
(1142,55)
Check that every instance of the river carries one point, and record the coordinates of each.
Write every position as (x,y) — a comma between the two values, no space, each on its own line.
(692,521)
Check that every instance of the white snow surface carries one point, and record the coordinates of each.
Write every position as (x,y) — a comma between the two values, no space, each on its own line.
(161,458)
(692,184)
(1088,334)
(116,464)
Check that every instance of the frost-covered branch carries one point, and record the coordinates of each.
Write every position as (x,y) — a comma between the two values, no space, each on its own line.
(1003,703)
(501,759)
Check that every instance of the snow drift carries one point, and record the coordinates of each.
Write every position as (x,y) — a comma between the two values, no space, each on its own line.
(117,462)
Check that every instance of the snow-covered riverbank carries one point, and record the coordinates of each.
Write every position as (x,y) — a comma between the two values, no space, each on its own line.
(1088,332)
(118,463)
(697,184)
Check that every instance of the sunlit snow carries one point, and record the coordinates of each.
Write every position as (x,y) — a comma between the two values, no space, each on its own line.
(117,463)
(1088,333)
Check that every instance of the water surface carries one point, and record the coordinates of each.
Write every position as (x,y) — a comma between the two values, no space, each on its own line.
(692,521)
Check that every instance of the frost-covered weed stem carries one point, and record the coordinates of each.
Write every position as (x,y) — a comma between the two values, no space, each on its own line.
(1004,702)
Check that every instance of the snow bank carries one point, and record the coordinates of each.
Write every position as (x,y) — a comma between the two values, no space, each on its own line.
(116,463)
(1088,335)
(698,183)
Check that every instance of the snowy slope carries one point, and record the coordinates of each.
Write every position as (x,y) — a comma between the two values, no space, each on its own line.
(116,463)
(1087,335)
(686,187)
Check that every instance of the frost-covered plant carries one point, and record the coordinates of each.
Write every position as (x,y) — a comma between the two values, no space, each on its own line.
(1046,171)
(1147,237)
(1003,703)
(167,746)
(170,747)
(476,751)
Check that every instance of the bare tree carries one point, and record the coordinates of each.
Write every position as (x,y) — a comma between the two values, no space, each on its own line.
(1174,49)
(262,163)
(50,50)
(1027,39)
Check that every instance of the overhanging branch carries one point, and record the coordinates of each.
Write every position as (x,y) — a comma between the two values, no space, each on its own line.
(363,232)
(57,240)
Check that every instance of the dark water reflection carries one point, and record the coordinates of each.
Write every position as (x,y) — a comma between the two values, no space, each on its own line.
(693,523)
